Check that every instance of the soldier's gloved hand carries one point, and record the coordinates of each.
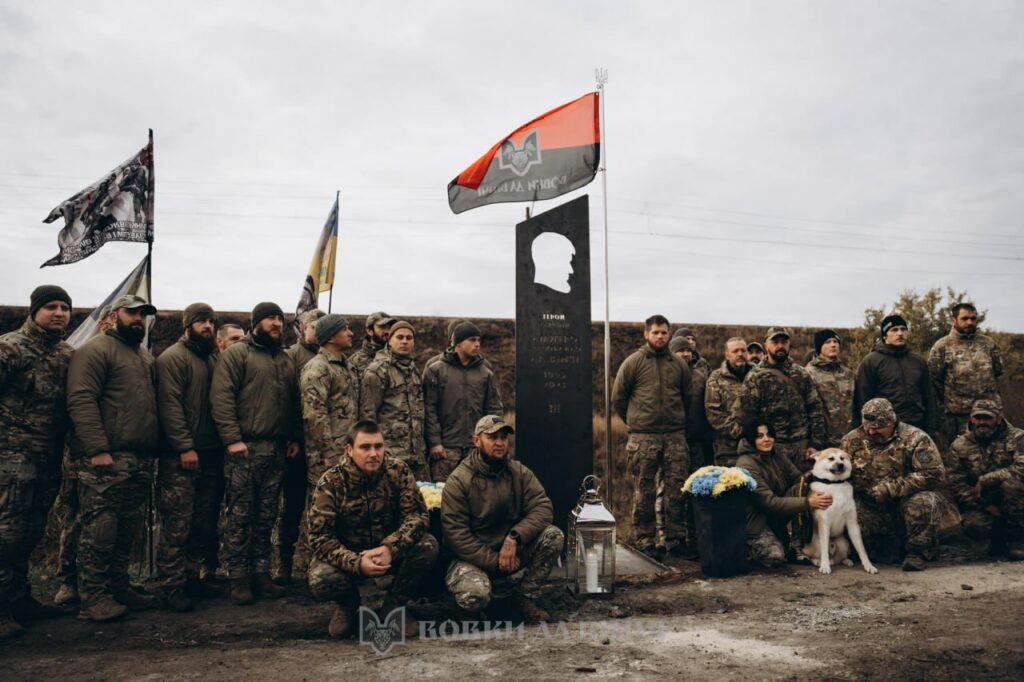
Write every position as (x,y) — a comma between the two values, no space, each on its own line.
(437,452)
(189,460)
(238,449)
(101,461)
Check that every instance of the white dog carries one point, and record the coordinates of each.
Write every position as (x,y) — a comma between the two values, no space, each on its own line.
(830,475)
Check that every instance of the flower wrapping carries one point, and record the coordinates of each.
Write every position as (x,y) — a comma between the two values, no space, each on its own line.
(431,493)
(712,481)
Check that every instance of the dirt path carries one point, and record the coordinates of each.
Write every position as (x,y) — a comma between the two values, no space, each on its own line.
(950,622)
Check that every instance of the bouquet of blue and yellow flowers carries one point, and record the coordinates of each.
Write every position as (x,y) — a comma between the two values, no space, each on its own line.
(712,481)
(431,493)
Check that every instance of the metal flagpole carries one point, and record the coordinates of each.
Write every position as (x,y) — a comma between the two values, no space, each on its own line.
(330,292)
(150,500)
(601,76)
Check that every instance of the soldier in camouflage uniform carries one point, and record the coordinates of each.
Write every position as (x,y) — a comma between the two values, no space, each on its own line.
(755,353)
(191,460)
(391,394)
(113,407)
(835,382)
(255,407)
(329,389)
(986,477)
(897,480)
(33,420)
(378,326)
(965,366)
(368,519)
(781,393)
(294,488)
(496,520)
(720,394)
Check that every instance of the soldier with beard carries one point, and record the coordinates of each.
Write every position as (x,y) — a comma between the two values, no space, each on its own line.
(191,460)
(391,394)
(781,393)
(378,327)
(755,353)
(722,390)
(33,371)
(113,408)
(255,408)
(834,381)
(697,362)
(965,366)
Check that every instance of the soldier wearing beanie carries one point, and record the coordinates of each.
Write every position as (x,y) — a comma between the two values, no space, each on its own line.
(33,371)
(835,384)
(458,390)
(892,371)
(255,407)
(191,459)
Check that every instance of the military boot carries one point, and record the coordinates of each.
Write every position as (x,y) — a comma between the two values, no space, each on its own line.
(201,589)
(283,575)
(263,586)
(8,626)
(66,595)
(136,601)
(392,602)
(1015,552)
(913,562)
(533,612)
(241,593)
(343,620)
(101,609)
(177,601)
(26,608)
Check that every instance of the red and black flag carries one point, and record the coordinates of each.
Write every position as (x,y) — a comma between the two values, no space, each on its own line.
(554,153)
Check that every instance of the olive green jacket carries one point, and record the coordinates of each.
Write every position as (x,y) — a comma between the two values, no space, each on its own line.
(654,393)
(185,372)
(777,495)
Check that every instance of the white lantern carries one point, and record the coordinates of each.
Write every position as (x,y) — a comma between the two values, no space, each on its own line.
(590,547)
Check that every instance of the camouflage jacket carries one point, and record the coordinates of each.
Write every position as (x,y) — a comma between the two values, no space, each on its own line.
(353,511)
(653,393)
(989,462)
(791,404)
(907,463)
(964,369)
(184,373)
(835,382)
(362,358)
(33,411)
(392,395)
(112,398)
(455,397)
(330,408)
(720,395)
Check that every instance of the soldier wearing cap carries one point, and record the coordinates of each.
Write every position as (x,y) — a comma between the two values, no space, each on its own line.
(329,389)
(755,353)
(256,409)
(115,435)
(965,366)
(781,393)
(496,519)
(378,326)
(294,488)
(191,466)
(892,371)
(897,480)
(33,420)
(457,390)
(391,394)
(367,519)
(835,383)
(986,477)
(722,390)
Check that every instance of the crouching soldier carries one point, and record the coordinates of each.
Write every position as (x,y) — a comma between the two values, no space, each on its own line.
(496,519)
(897,479)
(368,519)
(986,477)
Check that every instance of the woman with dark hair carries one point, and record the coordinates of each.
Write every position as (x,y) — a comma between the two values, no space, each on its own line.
(776,498)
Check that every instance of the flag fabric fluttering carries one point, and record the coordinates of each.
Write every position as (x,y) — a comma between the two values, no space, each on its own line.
(320,277)
(137,282)
(553,154)
(117,208)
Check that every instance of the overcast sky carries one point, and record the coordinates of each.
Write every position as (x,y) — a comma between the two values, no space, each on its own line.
(782,162)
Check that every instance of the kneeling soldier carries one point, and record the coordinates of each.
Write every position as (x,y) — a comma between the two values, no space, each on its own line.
(368,519)
(496,519)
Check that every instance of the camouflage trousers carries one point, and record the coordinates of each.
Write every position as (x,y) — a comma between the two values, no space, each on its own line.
(25,502)
(917,520)
(187,502)
(442,467)
(70,527)
(294,490)
(112,509)
(473,587)
(766,548)
(328,583)
(647,455)
(1008,498)
(252,485)
(416,463)
(951,426)
(796,452)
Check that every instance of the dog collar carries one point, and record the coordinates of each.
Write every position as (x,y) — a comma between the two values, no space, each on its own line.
(815,479)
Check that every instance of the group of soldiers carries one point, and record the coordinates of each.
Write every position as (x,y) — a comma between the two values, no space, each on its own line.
(933,454)
(243,435)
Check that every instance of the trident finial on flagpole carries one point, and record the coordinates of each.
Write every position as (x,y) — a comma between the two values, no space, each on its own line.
(601,76)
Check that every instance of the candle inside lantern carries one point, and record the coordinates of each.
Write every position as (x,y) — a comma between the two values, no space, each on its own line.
(590,562)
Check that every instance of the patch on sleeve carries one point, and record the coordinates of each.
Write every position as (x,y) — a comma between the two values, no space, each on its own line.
(924,457)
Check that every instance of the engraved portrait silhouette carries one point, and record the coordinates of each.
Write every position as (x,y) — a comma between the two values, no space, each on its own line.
(552,260)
